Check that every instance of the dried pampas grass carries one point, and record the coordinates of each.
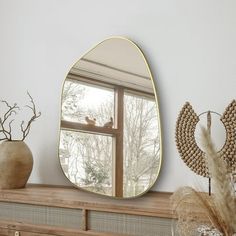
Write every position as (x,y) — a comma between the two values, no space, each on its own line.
(223,186)
(196,210)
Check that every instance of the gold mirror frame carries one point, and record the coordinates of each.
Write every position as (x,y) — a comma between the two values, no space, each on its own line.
(157,112)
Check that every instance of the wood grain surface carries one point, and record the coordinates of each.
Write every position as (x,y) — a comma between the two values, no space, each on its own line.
(150,204)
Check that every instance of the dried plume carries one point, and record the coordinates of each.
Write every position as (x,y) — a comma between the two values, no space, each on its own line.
(197,210)
(223,186)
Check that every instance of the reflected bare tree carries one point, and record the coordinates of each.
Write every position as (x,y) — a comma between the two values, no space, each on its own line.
(71,95)
(141,154)
(88,158)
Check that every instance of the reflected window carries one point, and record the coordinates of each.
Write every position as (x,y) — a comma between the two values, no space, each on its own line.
(109,140)
(82,103)
(141,154)
(87,160)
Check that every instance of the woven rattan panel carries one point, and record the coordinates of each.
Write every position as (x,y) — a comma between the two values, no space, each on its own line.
(44,215)
(130,224)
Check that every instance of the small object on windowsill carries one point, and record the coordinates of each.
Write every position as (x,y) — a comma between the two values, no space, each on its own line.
(90,121)
(109,124)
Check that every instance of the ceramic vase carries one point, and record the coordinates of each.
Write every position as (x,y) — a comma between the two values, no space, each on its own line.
(16,162)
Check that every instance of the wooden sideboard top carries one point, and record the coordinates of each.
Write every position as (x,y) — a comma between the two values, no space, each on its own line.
(150,204)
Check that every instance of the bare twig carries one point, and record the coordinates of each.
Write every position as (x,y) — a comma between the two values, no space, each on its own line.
(36,115)
(10,138)
(11,110)
(5,124)
(3,130)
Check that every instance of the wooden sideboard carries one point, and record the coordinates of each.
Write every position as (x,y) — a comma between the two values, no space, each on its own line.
(54,210)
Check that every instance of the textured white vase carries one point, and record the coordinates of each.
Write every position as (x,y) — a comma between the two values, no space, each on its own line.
(16,162)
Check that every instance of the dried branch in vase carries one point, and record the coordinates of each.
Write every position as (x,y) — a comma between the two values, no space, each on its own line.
(217,213)
(6,121)
(6,127)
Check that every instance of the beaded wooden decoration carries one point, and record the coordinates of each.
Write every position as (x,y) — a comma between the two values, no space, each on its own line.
(188,149)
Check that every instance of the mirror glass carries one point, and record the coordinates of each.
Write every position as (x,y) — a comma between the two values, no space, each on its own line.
(110,137)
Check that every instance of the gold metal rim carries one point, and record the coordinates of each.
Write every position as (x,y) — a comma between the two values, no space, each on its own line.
(158,112)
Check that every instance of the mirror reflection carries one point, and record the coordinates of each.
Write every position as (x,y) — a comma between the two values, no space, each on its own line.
(110,140)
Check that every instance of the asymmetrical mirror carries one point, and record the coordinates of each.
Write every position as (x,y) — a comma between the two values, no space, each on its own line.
(110,137)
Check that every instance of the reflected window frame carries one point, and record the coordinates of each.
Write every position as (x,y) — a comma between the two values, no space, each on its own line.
(116,132)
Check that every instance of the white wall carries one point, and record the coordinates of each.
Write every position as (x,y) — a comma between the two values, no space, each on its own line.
(190,45)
